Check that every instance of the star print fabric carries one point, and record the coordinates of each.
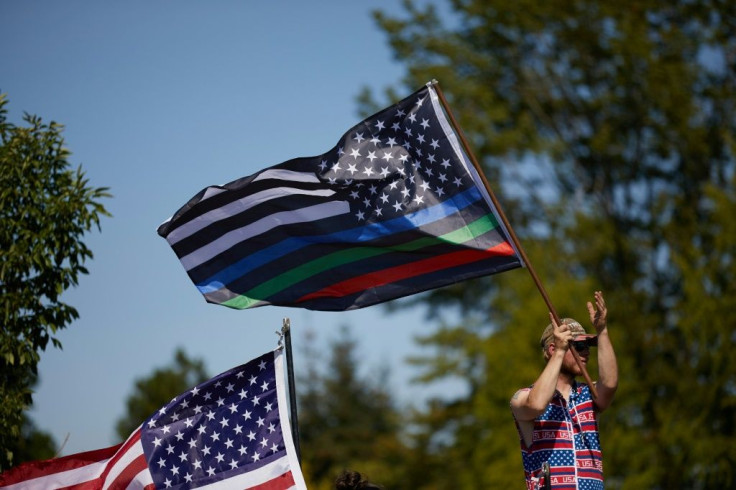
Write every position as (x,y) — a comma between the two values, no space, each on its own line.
(226,429)
(566,436)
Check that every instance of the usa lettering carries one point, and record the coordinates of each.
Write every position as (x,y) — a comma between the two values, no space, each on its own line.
(559,480)
(543,435)
(586,417)
(588,464)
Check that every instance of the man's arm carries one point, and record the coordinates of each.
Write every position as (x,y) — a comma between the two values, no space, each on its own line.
(607,365)
(527,405)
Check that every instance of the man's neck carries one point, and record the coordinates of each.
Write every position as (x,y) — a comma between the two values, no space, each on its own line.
(565,382)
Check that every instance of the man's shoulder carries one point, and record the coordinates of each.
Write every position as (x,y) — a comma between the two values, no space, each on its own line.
(521,391)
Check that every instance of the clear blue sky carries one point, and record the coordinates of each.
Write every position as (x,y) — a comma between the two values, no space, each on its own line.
(161,99)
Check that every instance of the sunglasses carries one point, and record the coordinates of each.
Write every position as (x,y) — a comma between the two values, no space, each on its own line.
(581,345)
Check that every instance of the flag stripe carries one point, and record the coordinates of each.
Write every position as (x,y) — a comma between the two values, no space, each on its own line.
(326,279)
(58,478)
(92,470)
(86,465)
(395,274)
(406,287)
(214,197)
(348,256)
(239,206)
(314,251)
(233,203)
(218,202)
(228,240)
(126,471)
(274,476)
(356,235)
(259,212)
(322,280)
(131,449)
(344,257)
(282,482)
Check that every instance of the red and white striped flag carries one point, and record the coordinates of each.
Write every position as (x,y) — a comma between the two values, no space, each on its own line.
(229,432)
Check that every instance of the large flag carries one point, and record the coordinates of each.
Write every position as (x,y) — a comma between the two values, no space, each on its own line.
(229,432)
(393,209)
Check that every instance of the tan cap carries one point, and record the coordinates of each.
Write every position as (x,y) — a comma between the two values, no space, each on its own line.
(577,330)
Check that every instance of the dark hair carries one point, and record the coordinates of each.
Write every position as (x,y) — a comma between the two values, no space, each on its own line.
(352,480)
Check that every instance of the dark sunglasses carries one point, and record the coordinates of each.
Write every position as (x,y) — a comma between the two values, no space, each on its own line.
(581,345)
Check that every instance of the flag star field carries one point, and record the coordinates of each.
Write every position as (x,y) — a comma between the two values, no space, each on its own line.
(224,427)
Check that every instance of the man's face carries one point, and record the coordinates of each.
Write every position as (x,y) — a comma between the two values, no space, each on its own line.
(569,365)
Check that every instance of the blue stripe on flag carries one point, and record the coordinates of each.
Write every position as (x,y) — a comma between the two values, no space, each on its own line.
(355,235)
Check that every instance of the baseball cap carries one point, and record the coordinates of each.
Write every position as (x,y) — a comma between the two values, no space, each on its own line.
(577,330)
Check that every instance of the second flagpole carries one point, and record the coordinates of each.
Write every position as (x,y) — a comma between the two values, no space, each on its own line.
(286,333)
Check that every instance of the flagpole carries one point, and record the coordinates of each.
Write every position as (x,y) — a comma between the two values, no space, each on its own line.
(286,332)
(512,234)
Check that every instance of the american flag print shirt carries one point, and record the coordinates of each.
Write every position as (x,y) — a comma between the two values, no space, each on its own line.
(565,436)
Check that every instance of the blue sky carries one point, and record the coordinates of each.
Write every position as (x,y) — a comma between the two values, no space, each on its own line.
(161,99)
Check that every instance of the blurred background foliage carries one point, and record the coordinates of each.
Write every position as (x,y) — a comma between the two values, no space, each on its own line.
(607,131)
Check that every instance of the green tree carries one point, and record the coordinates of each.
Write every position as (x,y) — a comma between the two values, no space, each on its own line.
(45,208)
(33,443)
(608,128)
(156,390)
(347,420)
(701,345)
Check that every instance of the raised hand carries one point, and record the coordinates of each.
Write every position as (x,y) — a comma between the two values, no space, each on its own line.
(598,313)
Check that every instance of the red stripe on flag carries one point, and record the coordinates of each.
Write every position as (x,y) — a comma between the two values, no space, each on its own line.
(127,445)
(70,470)
(406,271)
(279,483)
(121,481)
(126,476)
(95,484)
(36,469)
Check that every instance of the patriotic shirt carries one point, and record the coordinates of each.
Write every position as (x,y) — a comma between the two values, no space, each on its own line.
(565,436)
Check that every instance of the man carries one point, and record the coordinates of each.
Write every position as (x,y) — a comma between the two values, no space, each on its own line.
(557,417)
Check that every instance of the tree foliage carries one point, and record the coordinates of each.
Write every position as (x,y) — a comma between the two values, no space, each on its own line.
(347,420)
(157,389)
(45,208)
(608,129)
(33,443)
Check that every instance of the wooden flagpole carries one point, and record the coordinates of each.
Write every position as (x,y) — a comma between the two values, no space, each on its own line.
(286,333)
(512,234)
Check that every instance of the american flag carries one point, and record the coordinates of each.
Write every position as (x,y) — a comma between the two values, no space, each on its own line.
(393,209)
(229,432)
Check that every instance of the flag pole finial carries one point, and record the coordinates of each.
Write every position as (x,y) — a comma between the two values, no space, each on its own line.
(285,328)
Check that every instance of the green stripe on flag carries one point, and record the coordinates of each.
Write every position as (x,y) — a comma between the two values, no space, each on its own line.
(293,276)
